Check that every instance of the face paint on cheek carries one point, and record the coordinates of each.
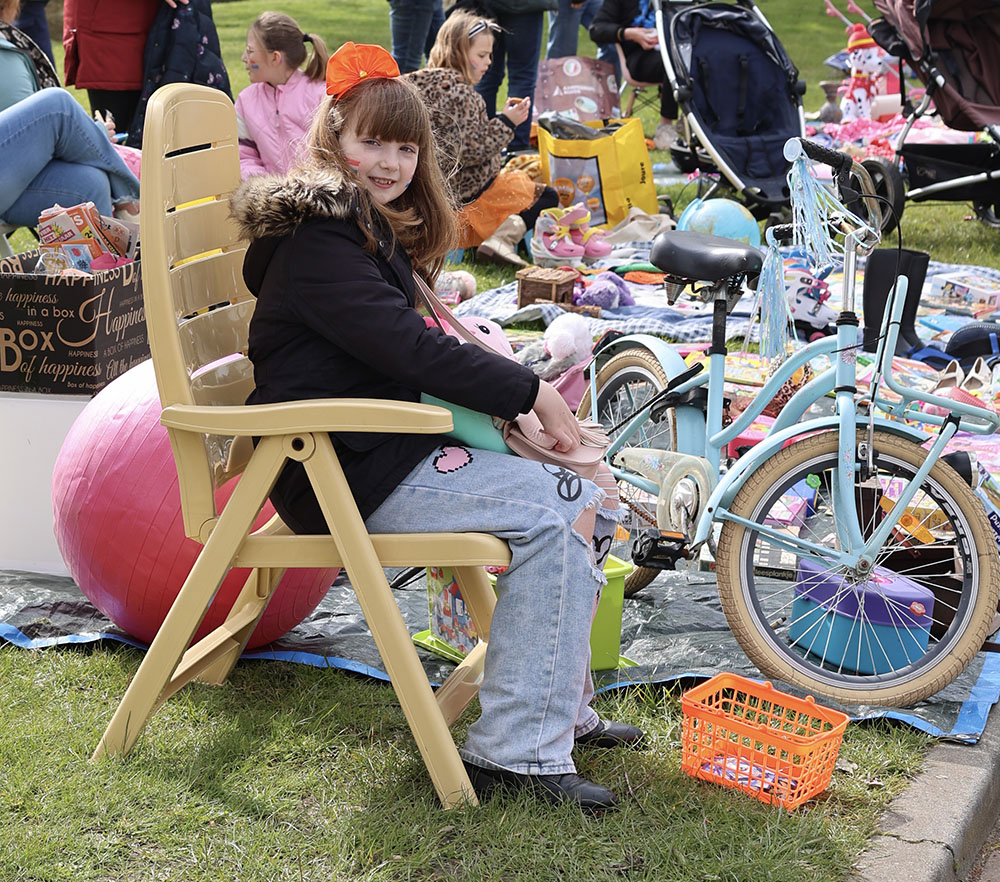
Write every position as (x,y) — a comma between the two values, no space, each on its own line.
(354,163)
(254,66)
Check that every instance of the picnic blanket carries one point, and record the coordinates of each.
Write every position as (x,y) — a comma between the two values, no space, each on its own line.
(688,321)
(674,630)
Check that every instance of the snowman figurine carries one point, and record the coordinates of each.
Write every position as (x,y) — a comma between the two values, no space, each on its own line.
(867,65)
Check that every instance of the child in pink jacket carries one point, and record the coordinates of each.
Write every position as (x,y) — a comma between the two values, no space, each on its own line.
(276,110)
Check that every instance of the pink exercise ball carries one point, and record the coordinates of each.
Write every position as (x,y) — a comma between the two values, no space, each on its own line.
(119,527)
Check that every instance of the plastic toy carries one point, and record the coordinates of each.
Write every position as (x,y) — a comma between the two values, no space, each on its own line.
(867,64)
(118,520)
(720,217)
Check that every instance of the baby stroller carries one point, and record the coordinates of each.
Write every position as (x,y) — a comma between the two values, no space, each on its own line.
(952,47)
(739,94)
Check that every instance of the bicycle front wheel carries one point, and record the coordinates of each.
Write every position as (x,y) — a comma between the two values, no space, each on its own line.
(625,384)
(891,637)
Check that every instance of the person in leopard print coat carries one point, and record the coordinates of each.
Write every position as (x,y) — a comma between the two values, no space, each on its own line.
(497,206)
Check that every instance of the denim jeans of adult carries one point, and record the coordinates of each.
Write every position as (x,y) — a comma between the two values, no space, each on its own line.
(414,25)
(52,151)
(564,32)
(517,50)
(536,687)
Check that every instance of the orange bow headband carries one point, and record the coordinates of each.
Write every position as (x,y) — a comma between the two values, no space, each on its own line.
(354,62)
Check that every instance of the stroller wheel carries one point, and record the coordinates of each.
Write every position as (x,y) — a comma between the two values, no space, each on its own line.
(888,181)
(988,213)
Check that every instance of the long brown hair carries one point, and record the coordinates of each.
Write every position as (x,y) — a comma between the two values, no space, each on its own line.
(422,218)
(451,46)
(278,32)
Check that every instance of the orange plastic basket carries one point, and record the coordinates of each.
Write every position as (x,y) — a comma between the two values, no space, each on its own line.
(747,735)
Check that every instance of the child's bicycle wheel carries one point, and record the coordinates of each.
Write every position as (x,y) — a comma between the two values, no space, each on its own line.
(624,384)
(892,638)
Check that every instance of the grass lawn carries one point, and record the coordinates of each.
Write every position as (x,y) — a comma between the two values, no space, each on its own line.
(291,772)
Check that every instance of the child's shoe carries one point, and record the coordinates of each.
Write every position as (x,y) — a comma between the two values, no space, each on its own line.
(551,244)
(594,245)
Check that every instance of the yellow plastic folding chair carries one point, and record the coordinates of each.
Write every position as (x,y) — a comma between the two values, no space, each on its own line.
(197,313)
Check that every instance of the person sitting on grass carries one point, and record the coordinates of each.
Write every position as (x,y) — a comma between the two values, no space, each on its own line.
(498,207)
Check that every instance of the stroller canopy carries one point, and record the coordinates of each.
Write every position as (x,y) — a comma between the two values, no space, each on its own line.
(958,38)
(735,78)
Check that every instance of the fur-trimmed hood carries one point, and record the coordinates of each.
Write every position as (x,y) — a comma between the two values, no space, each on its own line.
(272,206)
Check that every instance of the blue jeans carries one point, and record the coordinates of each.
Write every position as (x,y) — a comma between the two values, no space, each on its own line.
(52,151)
(564,32)
(414,25)
(536,687)
(518,51)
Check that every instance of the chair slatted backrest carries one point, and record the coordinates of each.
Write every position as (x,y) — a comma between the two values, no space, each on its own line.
(197,306)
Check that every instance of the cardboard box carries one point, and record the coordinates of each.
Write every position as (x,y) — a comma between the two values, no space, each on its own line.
(966,287)
(68,335)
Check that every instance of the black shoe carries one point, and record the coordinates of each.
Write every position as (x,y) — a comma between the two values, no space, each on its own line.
(571,788)
(608,733)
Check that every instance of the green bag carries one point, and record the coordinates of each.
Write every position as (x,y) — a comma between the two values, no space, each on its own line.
(471,427)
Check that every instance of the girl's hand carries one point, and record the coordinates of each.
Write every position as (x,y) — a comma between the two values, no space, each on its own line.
(556,417)
(645,37)
(517,110)
(173,3)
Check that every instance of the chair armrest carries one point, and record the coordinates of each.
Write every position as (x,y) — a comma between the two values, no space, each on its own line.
(315,415)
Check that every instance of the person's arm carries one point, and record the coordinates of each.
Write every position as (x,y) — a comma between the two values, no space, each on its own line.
(610,22)
(17,77)
(335,287)
(482,137)
(251,162)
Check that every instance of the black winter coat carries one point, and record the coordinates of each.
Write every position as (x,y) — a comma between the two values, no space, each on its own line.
(334,321)
(612,17)
(182,47)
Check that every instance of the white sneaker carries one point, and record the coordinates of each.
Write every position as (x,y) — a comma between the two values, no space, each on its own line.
(665,135)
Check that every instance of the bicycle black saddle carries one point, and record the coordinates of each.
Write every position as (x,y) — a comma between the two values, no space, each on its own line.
(704,258)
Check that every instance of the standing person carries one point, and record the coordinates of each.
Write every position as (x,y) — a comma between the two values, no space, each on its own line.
(498,207)
(414,25)
(517,48)
(333,248)
(31,19)
(564,31)
(104,42)
(276,110)
(632,24)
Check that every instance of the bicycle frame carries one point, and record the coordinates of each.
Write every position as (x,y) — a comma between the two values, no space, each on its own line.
(856,551)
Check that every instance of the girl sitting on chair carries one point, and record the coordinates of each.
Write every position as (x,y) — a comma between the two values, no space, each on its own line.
(331,260)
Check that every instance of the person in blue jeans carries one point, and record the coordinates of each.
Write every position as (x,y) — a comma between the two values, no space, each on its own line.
(516,49)
(52,151)
(331,261)
(414,25)
(564,31)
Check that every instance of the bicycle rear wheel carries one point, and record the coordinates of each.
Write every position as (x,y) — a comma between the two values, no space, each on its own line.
(624,384)
(892,638)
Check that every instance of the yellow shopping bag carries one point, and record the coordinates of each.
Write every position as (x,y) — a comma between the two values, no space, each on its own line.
(610,173)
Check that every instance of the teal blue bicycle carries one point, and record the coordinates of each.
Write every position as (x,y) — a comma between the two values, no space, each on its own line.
(853,559)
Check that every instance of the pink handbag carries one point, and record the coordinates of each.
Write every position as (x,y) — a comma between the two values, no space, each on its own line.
(523,434)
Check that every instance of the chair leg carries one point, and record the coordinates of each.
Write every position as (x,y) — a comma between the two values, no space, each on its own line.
(156,678)
(258,589)
(454,695)
(427,721)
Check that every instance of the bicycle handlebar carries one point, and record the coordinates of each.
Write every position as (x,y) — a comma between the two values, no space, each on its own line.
(844,167)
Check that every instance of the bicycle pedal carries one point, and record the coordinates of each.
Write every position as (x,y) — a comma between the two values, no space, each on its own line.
(659,549)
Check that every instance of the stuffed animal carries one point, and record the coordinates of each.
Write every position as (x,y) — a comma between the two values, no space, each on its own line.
(867,64)
(566,342)
(607,290)
(455,286)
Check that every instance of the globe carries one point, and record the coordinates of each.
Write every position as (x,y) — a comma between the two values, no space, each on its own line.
(720,217)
